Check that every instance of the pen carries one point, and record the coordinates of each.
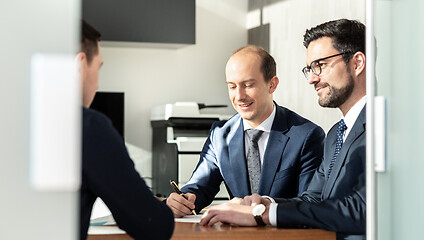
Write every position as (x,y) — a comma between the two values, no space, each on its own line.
(178,191)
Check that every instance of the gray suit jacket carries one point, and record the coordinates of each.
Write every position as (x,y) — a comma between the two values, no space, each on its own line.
(336,203)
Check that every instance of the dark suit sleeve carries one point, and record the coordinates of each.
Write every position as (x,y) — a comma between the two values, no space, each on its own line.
(314,191)
(311,157)
(110,174)
(206,178)
(345,214)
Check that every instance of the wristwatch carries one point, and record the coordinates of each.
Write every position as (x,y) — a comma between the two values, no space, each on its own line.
(257,212)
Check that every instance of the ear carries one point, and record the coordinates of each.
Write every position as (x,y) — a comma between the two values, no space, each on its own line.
(273,83)
(81,62)
(81,57)
(358,63)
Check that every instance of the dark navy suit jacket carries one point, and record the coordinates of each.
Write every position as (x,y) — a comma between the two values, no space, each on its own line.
(109,173)
(293,152)
(335,203)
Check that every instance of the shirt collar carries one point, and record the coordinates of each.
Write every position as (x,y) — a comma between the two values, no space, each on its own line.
(354,112)
(265,125)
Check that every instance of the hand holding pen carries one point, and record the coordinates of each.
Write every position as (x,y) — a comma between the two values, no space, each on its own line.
(181,204)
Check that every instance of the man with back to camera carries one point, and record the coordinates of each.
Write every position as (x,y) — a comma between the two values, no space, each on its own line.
(335,199)
(265,148)
(107,170)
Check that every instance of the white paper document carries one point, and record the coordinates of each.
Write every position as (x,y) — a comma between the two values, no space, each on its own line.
(105,230)
(101,214)
(189,219)
(109,221)
(103,221)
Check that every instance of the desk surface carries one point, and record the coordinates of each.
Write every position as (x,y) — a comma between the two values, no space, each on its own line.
(184,231)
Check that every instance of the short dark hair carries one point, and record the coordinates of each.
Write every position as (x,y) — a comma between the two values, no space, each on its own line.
(347,35)
(268,65)
(89,39)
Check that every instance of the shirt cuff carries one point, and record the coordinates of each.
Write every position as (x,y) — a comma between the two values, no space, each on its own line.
(270,199)
(273,214)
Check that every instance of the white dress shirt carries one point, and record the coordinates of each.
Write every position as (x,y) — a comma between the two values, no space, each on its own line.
(352,115)
(263,139)
(349,120)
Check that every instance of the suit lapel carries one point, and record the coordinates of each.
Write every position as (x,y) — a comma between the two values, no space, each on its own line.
(357,130)
(238,160)
(273,153)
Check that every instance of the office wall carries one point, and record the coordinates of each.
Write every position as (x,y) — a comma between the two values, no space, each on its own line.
(288,21)
(156,76)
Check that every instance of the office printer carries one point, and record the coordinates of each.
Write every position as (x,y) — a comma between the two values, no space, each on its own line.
(179,132)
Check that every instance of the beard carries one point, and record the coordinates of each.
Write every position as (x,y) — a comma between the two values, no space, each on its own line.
(337,96)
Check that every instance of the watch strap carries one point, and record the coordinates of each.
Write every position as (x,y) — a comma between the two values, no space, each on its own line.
(259,220)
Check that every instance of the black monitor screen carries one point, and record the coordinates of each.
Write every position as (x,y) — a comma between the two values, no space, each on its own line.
(112,105)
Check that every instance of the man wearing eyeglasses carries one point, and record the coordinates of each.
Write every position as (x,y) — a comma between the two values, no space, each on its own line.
(335,198)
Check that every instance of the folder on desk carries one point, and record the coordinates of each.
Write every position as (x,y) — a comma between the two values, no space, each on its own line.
(101,215)
(103,221)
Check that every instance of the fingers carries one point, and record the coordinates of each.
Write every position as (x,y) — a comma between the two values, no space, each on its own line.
(255,199)
(219,218)
(229,213)
(191,198)
(252,200)
(206,218)
(211,216)
(179,205)
(266,201)
(247,201)
(213,220)
(236,200)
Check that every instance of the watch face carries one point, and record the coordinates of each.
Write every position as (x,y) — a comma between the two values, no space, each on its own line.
(258,210)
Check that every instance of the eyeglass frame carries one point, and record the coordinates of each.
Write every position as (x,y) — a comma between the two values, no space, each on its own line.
(307,69)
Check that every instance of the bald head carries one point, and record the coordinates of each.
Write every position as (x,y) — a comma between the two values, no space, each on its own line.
(267,63)
(251,81)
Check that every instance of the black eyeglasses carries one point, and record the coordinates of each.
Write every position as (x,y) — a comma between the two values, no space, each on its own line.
(316,65)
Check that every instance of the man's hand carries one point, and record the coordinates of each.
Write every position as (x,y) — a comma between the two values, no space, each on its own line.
(232,213)
(254,200)
(179,205)
(236,200)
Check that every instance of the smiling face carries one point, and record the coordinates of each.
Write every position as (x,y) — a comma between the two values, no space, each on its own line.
(335,84)
(250,95)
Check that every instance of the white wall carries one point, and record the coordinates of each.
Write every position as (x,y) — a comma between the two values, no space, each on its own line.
(152,76)
(288,21)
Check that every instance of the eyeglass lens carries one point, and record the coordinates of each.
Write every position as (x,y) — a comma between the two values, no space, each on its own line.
(316,66)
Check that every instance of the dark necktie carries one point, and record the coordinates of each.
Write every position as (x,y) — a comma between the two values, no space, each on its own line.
(253,159)
(340,130)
